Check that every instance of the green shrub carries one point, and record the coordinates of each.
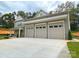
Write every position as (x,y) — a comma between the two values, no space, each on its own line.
(69,35)
(4,37)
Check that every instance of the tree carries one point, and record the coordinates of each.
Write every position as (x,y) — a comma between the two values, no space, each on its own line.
(34,14)
(26,15)
(8,20)
(22,14)
(65,6)
(73,18)
(61,7)
(72,10)
(14,13)
(69,5)
(69,35)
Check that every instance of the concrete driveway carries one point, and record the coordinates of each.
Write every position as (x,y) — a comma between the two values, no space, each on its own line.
(31,48)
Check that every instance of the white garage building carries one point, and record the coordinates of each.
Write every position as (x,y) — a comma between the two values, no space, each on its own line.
(55,26)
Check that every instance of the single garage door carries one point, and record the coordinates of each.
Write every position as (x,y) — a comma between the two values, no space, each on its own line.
(56,30)
(30,31)
(40,30)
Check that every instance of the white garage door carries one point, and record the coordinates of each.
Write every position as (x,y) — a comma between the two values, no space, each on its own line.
(41,30)
(56,30)
(30,31)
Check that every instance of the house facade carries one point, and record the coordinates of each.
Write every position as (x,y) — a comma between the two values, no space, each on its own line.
(18,27)
(51,26)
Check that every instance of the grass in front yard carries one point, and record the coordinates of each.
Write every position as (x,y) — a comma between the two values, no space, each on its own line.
(3,37)
(74,49)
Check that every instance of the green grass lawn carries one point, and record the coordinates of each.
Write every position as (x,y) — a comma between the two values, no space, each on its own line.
(3,37)
(74,49)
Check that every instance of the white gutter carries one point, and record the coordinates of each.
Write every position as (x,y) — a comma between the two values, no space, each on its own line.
(46,19)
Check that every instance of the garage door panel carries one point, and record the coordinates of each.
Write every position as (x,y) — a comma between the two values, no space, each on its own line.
(30,31)
(56,31)
(40,30)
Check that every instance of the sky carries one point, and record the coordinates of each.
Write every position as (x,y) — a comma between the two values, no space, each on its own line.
(30,6)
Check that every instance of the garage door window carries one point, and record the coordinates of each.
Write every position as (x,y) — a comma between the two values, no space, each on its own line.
(40,27)
(50,26)
(37,27)
(55,26)
(44,27)
(60,25)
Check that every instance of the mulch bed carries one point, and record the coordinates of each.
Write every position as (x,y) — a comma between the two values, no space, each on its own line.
(75,34)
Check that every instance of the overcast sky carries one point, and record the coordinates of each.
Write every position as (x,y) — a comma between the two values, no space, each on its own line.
(10,6)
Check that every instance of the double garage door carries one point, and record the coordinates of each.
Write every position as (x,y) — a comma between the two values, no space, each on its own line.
(56,30)
(51,30)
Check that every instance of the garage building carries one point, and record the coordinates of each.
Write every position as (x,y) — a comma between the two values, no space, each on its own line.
(55,26)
